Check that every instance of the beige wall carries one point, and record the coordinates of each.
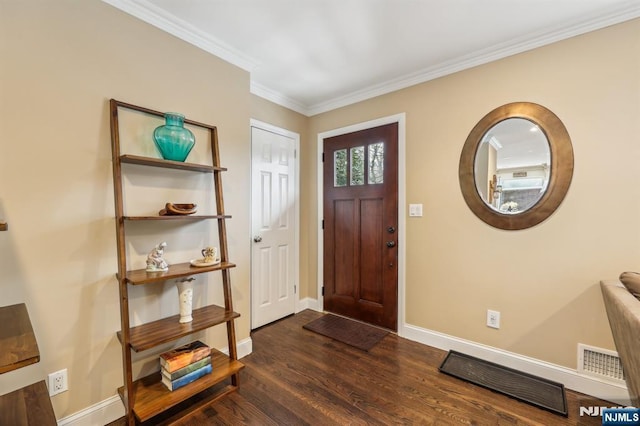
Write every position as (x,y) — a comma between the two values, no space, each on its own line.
(543,280)
(61,62)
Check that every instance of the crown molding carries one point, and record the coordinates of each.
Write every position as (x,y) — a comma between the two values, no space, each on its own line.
(157,17)
(278,98)
(626,12)
(151,14)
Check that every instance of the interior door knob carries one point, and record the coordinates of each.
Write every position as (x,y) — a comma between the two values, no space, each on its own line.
(257,238)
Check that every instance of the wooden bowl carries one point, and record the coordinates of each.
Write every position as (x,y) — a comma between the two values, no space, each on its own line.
(178,209)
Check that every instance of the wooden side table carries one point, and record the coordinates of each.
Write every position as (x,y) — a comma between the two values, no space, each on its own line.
(31,404)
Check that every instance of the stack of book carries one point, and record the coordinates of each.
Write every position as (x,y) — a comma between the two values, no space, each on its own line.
(185,364)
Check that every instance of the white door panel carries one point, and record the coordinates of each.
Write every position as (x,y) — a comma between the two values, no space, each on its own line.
(273,277)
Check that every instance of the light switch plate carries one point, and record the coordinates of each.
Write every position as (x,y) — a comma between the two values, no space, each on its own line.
(415,210)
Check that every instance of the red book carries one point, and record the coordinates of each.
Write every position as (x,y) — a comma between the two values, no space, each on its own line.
(182,356)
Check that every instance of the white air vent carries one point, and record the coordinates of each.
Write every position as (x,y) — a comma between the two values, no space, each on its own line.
(600,362)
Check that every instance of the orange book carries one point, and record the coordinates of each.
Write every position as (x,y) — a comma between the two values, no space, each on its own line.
(182,356)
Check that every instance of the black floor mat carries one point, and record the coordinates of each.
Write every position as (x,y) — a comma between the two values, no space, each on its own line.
(354,333)
(525,387)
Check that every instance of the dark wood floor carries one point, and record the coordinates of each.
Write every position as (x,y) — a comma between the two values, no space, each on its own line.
(297,377)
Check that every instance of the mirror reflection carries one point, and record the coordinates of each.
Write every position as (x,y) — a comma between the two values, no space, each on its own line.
(512,166)
(540,182)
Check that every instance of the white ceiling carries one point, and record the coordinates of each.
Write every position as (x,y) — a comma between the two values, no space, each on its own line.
(521,144)
(316,55)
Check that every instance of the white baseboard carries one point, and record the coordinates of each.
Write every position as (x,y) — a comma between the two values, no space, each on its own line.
(112,408)
(570,378)
(244,348)
(308,303)
(98,414)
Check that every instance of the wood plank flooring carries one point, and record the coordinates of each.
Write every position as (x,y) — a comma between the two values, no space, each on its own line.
(297,377)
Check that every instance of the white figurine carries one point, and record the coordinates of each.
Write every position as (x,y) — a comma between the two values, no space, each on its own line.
(155,262)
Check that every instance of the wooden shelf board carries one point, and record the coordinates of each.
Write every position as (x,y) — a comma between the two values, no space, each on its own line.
(141,276)
(153,398)
(29,405)
(166,330)
(169,164)
(177,217)
(4,226)
(18,346)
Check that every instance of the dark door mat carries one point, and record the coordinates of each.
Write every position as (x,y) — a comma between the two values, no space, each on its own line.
(353,333)
(525,387)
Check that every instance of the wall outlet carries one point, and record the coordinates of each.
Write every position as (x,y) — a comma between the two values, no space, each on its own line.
(493,319)
(58,382)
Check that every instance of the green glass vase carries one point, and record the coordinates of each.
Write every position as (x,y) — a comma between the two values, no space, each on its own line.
(172,139)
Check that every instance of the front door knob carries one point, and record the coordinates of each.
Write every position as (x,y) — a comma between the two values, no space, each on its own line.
(391,243)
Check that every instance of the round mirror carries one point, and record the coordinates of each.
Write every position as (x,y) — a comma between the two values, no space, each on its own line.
(512,165)
(516,166)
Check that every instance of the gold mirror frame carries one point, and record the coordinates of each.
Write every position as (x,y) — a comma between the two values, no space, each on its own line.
(561,166)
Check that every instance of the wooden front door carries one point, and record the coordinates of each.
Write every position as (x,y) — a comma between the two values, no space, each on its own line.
(360,212)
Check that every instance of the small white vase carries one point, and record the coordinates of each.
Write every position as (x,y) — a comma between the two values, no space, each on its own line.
(185,297)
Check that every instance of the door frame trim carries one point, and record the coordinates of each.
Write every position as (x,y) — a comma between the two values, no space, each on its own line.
(296,184)
(402,187)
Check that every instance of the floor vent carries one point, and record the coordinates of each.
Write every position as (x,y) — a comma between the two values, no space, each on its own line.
(600,362)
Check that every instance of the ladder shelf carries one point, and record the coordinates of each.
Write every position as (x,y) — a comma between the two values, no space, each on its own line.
(146,397)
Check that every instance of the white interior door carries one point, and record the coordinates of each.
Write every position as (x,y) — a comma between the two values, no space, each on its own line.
(274,224)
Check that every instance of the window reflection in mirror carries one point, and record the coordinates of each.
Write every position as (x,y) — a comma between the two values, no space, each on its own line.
(512,166)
